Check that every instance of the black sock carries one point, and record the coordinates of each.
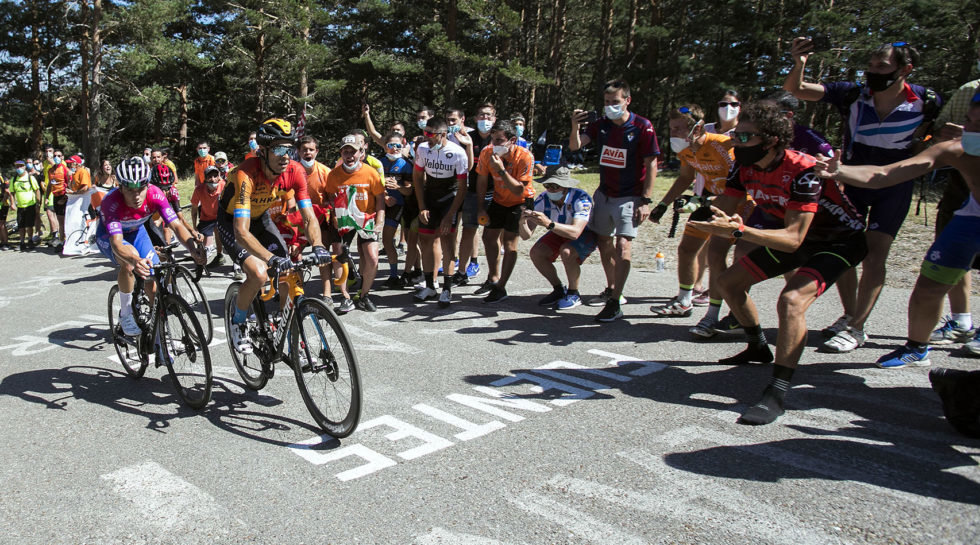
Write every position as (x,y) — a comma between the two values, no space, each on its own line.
(572,292)
(754,335)
(752,354)
(430,281)
(447,282)
(918,347)
(473,260)
(557,286)
(770,407)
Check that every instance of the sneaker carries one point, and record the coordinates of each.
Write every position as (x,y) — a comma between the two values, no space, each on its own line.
(445,298)
(728,324)
(845,341)
(674,309)
(238,274)
(472,269)
(394,283)
(23,246)
(129,326)
(600,299)
(609,313)
(425,294)
(240,338)
(495,296)
(836,327)
(217,261)
(382,252)
(485,287)
(950,333)
(552,298)
(570,300)
(345,306)
(416,278)
(973,346)
(705,328)
(701,299)
(460,279)
(365,303)
(400,249)
(904,356)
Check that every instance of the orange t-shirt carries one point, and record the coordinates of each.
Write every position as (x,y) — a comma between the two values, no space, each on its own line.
(316,181)
(81,181)
(366,180)
(518,163)
(56,176)
(713,160)
(200,165)
(207,201)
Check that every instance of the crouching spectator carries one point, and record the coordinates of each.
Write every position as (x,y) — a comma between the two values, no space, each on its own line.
(563,210)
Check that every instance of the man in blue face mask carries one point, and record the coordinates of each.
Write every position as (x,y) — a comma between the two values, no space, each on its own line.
(885,118)
(954,251)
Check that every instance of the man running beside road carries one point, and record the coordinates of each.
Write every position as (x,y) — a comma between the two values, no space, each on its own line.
(954,250)
(628,155)
(807,224)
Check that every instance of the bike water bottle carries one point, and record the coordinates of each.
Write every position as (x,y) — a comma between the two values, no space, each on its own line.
(660,262)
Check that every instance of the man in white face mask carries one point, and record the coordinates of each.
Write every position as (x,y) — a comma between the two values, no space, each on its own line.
(563,210)
(628,152)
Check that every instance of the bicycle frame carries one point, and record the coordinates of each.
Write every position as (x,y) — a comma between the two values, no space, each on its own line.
(275,331)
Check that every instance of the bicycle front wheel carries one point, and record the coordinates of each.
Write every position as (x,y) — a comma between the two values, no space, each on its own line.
(129,356)
(187,358)
(249,366)
(182,283)
(326,368)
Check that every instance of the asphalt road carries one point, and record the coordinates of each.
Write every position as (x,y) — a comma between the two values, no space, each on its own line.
(482,425)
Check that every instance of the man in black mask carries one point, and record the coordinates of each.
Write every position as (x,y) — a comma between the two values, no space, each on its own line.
(884,120)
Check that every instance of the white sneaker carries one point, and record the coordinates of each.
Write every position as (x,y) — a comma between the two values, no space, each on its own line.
(238,273)
(845,341)
(425,294)
(240,338)
(836,327)
(445,298)
(129,326)
(974,346)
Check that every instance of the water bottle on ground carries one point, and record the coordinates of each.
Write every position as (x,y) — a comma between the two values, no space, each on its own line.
(659,262)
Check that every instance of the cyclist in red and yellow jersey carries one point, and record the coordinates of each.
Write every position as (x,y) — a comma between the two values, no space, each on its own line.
(247,231)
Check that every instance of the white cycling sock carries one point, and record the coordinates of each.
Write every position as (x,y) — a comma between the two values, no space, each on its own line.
(125,303)
(964,320)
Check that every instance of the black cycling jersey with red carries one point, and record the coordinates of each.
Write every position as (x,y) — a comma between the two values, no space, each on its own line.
(790,183)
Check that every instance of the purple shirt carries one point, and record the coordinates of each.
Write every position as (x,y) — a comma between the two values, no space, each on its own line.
(809,141)
(119,218)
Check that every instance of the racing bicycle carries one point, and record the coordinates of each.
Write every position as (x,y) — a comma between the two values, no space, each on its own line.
(319,350)
(187,284)
(170,332)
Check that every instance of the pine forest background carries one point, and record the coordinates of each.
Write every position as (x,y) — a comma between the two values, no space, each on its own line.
(111,77)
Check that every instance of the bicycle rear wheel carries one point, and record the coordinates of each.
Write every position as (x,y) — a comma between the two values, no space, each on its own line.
(187,358)
(182,283)
(249,365)
(326,368)
(129,356)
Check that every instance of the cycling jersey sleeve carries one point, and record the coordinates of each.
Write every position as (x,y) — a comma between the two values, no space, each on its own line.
(297,182)
(805,191)
(241,200)
(157,202)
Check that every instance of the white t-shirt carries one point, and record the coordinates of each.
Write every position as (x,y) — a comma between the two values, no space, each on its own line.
(449,162)
(576,205)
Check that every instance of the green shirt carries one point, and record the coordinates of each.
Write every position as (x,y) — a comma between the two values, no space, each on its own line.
(24,189)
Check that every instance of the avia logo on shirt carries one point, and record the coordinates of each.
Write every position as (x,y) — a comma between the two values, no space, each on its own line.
(613,157)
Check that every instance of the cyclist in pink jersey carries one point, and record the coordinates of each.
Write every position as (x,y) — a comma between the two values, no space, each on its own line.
(122,235)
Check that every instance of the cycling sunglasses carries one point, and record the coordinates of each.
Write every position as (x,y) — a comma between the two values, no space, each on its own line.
(394,145)
(744,137)
(281,150)
(432,134)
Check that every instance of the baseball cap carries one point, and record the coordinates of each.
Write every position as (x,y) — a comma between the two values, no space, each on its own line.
(220,155)
(559,175)
(74,159)
(19,162)
(211,171)
(349,140)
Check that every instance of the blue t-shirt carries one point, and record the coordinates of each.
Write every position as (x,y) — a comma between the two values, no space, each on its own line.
(869,140)
(401,169)
(577,204)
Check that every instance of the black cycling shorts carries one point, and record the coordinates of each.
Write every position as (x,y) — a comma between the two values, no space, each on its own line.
(262,228)
(823,261)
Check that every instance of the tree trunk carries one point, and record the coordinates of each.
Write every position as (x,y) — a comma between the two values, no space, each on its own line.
(450,81)
(534,62)
(95,111)
(631,32)
(182,116)
(260,72)
(37,124)
(605,44)
(83,101)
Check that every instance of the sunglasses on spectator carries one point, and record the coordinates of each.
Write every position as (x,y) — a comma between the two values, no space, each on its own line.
(432,134)
(734,104)
(744,137)
(552,187)
(394,145)
(58,155)
(281,151)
